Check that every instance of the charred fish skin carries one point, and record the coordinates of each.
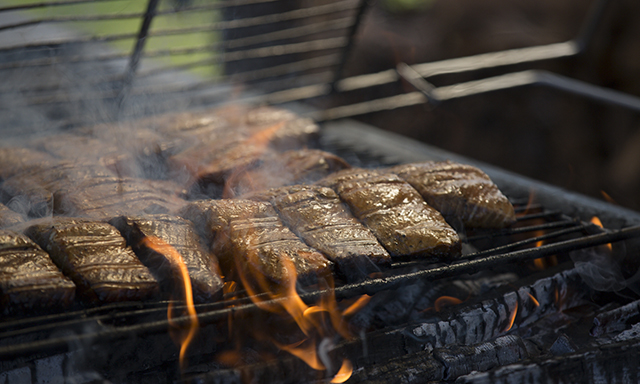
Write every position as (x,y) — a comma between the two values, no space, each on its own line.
(95,256)
(318,216)
(459,192)
(29,280)
(249,238)
(202,265)
(396,214)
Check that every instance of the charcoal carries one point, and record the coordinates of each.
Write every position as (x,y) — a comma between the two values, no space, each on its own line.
(489,319)
(29,280)
(613,363)
(459,192)
(616,319)
(280,169)
(8,217)
(202,266)
(251,240)
(396,214)
(95,256)
(317,215)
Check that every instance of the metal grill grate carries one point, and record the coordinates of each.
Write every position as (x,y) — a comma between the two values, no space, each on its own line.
(120,321)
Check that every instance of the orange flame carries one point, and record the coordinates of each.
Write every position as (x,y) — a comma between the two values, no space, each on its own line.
(607,198)
(358,305)
(543,263)
(595,220)
(512,318)
(176,261)
(445,301)
(344,373)
(536,302)
(320,321)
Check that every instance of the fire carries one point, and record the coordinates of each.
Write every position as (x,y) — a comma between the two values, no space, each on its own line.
(177,263)
(319,323)
(607,198)
(512,318)
(536,302)
(344,373)
(595,220)
(543,262)
(445,301)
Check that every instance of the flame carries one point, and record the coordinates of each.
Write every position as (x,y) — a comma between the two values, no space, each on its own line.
(543,263)
(175,259)
(445,301)
(595,220)
(344,373)
(512,318)
(319,323)
(358,305)
(607,198)
(536,302)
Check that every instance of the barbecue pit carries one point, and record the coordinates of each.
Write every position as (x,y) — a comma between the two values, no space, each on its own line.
(129,342)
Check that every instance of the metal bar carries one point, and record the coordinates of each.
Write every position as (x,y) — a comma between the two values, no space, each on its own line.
(539,215)
(272,51)
(472,266)
(531,228)
(235,43)
(521,243)
(364,4)
(476,87)
(302,13)
(134,61)
(49,4)
(417,81)
(589,27)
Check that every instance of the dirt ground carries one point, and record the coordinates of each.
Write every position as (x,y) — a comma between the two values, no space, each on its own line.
(562,139)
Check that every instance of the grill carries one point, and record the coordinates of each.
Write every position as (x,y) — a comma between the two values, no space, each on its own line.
(295,55)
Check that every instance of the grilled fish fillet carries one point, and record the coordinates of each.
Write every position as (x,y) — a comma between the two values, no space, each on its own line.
(29,280)
(317,215)
(201,265)
(396,213)
(459,192)
(95,256)
(251,240)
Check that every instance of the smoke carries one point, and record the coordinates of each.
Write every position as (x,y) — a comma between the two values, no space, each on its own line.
(598,269)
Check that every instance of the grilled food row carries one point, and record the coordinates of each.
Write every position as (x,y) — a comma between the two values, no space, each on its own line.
(262,210)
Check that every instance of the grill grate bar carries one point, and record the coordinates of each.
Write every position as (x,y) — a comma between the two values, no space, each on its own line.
(235,43)
(303,13)
(533,240)
(531,228)
(540,215)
